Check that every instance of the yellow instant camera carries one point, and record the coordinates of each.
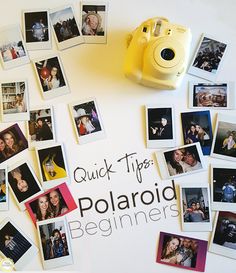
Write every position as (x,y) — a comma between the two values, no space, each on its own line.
(158,53)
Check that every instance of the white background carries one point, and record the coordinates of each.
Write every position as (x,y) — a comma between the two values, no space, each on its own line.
(96,71)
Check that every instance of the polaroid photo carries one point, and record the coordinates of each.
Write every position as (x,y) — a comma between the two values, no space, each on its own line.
(12,47)
(196,127)
(52,165)
(12,142)
(87,121)
(53,203)
(208,58)
(4,198)
(218,96)
(183,252)
(94,22)
(183,160)
(223,239)
(55,247)
(41,127)
(195,207)
(51,77)
(15,245)
(23,183)
(223,187)
(224,142)
(14,101)
(66,27)
(160,126)
(36,29)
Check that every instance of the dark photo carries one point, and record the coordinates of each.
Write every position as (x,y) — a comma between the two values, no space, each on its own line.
(50,74)
(196,127)
(3,186)
(36,26)
(12,142)
(12,243)
(160,123)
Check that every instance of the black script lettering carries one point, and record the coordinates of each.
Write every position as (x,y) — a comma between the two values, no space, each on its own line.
(79,175)
(126,157)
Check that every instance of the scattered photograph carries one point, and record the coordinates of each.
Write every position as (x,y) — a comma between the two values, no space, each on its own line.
(183,252)
(208,58)
(3,190)
(160,126)
(87,121)
(54,243)
(212,95)
(223,239)
(12,142)
(196,127)
(181,161)
(223,187)
(36,29)
(224,142)
(94,22)
(41,129)
(23,183)
(12,47)
(53,168)
(66,28)
(14,101)
(51,77)
(14,244)
(55,202)
(195,207)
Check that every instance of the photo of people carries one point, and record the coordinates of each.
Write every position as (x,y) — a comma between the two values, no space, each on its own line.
(12,142)
(40,126)
(3,188)
(185,159)
(180,251)
(53,203)
(196,127)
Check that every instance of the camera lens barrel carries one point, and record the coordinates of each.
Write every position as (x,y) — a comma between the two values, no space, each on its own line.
(167,54)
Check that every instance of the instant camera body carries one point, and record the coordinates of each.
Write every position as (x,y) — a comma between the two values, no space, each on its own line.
(157,53)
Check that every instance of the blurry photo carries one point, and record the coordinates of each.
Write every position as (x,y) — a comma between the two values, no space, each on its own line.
(195,207)
(53,169)
(208,58)
(94,17)
(15,245)
(54,243)
(53,203)
(15,105)
(51,77)
(224,144)
(3,190)
(41,126)
(196,127)
(223,240)
(180,251)
(12,47)
(36,29)
(87,121)
(12,142)
(66,27)
(23,183)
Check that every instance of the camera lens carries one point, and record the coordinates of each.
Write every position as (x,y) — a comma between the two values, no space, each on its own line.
(167,54)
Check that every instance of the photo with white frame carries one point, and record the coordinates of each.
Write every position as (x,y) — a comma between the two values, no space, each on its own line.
(65,35)
(94,21)
(195,207)
(23,183)
(53,230)
(41,127)
(217,96)
(14,101)
(87,121)
(13,51)
(52,165)
(51,76)
(4,196)
(36,29)
(201,66)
